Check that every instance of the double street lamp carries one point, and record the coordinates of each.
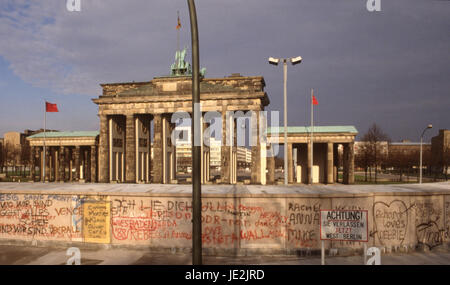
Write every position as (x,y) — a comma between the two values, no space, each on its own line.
(294,61)
(421,140)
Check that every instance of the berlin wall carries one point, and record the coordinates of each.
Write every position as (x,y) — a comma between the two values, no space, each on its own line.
(232,223)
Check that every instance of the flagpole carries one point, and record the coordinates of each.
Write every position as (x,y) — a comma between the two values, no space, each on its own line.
(178,33)
(178,39)
(312,131)
(45,153)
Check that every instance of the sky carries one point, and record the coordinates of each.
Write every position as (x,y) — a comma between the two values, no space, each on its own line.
(390,67)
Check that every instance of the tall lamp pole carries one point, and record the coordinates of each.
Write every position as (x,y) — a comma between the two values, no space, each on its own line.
(294,61)
(421,141)
(196,148)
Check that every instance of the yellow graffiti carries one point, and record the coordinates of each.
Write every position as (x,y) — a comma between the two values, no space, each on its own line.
(96,222)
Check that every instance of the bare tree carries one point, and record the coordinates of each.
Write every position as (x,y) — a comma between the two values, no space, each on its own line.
(374,139)
(411,160)
(396,161)
(12,153)
(441,162)
(364,158)
(25,153)
(446,160)
(2,156)
(279,162)
(427,161)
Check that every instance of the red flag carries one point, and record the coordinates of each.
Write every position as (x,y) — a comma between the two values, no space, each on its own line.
(314,100)
(49,107)
(179,23)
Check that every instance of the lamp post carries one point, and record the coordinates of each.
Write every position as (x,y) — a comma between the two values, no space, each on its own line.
(294,61)
(421,140)
(196,149)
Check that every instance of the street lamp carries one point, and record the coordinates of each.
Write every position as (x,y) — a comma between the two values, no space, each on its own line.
(196,149)
(294,61)
(421,140)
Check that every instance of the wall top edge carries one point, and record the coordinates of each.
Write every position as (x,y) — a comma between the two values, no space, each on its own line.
(222,195)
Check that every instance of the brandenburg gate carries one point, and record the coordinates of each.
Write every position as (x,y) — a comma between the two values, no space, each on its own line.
(137,138)
(127,111)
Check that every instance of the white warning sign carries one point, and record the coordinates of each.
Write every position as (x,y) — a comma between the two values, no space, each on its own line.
(344,225)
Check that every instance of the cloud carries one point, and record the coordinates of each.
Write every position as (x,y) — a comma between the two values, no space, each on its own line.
(115,41)
(72,52)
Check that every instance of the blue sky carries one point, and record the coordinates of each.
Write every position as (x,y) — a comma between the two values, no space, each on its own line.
(390,67)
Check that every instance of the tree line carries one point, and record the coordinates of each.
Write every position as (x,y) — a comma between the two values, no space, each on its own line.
(374,154)
(15,159)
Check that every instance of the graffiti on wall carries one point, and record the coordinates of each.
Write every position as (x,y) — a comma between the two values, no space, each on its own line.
(96,221)
(226,222)
(303,223)
(390,222)
(447,220)
(41,216)
(429,226)
(223,222)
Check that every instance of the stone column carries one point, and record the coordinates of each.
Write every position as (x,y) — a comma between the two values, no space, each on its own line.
(41,168)
(88,164)
(271,168)
(51,175)
(263,162)
(225,160)
(336,162)
(47,164)
(39,160)
(290,169)
(157,163)
(77,163)
(330,168)
(33,163)
(84,168)
(70,161)
(295,162)
(62,164)
(93,164)
(173,153)
(345,164)
(130,149)
(204,151)
(208,163)
(208,154)
(234,150)
(351,163)
(308,167)
(256,149)
(148,156)
(147,162)
(57,164)
(103,149)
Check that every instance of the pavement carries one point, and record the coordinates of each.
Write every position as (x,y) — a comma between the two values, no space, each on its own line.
(31,255)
